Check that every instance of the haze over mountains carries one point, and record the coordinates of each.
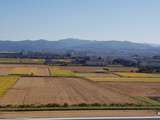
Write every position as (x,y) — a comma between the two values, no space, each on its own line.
(118,48)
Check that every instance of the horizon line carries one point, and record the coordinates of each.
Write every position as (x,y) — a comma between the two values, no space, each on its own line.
(132,41)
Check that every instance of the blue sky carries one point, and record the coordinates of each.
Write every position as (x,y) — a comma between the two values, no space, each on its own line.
(132,20)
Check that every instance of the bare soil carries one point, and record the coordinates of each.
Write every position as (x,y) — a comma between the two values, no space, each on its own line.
(44,90)
(134,89)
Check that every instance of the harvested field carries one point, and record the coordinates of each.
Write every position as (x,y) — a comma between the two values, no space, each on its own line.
(44,90)
(83,69)
(5,70)
(6,82)
(60,72)
(37,70)
(123,79)
(120,69)
(134,89)
(138,75)
(96,75)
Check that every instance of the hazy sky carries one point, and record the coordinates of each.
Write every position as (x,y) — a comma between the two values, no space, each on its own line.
(134,20)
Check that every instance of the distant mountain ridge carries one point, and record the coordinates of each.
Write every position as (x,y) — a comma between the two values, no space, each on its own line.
(78,45)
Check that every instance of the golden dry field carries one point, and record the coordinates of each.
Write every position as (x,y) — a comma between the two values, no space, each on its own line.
(34,71)
(6,82)
(60,72)
(137,75)
(123,79)
(120,69)
(60,90)
(101,75)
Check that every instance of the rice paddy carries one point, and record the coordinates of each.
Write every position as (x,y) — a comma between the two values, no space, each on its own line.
(6,82)
(59,72)
(137,75)
(74,85)
(123,79)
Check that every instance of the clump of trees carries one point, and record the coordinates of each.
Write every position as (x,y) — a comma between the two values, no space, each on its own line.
(149,69)
(125,62)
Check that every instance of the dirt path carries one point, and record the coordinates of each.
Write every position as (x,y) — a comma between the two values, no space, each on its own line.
(86,113)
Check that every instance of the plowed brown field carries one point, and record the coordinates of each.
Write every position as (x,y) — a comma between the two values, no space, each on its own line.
(44,90)
(134,89)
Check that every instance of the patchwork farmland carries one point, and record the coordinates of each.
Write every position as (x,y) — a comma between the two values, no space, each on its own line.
(74,85)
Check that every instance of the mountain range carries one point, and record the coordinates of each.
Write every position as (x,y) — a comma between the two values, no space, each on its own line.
(105,48)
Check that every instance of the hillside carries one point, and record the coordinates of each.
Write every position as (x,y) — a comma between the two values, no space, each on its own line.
(121,48)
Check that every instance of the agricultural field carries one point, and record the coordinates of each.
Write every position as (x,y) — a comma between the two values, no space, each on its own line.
(34,70)
(6,82)
(101,75)
(44,90)
(134,89)
(21,60)
(5,70)
(137,75)
(145,92)
(123,79)
(116,68)
(83,69)
(75,85)
(60,72)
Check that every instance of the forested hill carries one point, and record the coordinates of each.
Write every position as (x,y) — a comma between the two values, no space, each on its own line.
(88,46)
